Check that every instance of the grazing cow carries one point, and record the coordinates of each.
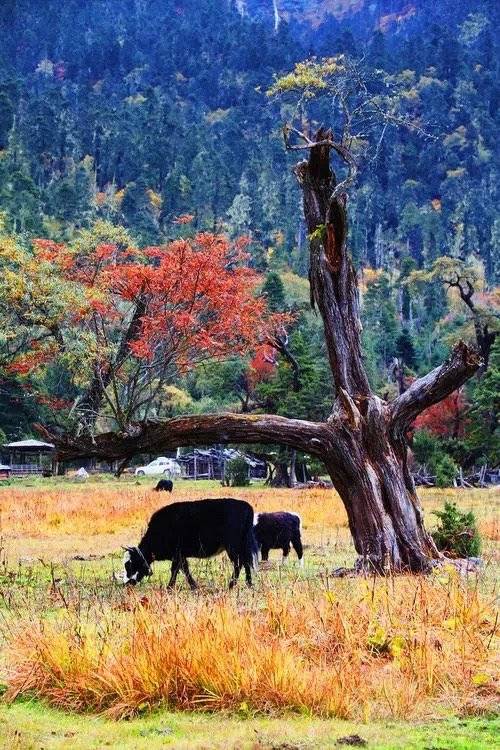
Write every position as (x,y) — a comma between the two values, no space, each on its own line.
(278,531)
(202,528)
(165,485)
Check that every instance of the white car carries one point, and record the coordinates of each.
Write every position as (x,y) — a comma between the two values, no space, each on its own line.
(169,467)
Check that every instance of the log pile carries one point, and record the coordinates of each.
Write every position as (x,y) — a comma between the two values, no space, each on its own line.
(482,477)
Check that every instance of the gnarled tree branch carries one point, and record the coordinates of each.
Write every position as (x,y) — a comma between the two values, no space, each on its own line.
(151,436)
(280,343)
(433,387)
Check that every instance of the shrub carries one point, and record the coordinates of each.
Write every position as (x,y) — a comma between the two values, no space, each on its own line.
(425,447)
(428,449)
(236,474)
(457,532)
(446,470)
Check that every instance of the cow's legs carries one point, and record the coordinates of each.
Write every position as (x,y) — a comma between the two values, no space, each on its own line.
(236,573)
(176,566)
(187,573)
(286,551)
(248,574)
(265,553)
(297,545)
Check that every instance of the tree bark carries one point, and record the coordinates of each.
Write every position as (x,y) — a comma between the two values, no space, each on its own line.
(281,477)
(333,280)
(363,444)
(153,436)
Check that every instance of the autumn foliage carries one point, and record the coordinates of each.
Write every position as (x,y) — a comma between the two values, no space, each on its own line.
(447,418)
(263,364)
(198,293)
(122,316)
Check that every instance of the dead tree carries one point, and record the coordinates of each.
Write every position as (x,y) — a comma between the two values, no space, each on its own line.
(462,275)
(485,337)
(363,443)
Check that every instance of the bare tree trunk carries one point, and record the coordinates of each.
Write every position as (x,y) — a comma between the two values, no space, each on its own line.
(370,474)
(293,475)
(373,480)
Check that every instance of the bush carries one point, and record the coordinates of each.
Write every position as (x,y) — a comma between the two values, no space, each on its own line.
(236,474)
(428,449)
(425,447)
(446,470)
(457,534)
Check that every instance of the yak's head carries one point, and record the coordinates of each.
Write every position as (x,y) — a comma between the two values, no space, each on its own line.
(136,567)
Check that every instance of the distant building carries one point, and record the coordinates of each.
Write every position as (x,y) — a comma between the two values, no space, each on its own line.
(210,463)
(4,471)
(29,457)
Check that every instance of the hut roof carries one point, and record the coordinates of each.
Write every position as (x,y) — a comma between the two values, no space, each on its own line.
(29,445)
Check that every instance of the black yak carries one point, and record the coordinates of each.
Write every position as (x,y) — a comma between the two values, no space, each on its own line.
(165,485)
(201,528)
(278,531)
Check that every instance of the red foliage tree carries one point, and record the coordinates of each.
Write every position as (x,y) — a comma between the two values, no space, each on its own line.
(446,418)
(148,314)
(262,365)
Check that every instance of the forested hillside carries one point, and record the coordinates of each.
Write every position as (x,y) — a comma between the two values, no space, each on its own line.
(131,114)
(137,112)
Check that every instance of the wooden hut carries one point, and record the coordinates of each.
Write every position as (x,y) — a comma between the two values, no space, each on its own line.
(4,471)
(30,457)
(210,463)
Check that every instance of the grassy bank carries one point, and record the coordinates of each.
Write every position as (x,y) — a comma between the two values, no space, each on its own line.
(32,725)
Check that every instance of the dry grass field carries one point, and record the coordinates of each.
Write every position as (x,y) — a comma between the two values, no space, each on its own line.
(301,647)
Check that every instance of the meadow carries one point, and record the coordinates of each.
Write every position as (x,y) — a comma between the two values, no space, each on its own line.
(298,661)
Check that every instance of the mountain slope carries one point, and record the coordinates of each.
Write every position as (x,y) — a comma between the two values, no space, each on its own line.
(137,112)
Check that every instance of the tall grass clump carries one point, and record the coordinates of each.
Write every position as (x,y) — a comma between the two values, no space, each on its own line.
(402,647)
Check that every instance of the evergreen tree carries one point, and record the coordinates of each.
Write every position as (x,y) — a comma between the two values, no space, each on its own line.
(405,349)
(379,320)
(274,292)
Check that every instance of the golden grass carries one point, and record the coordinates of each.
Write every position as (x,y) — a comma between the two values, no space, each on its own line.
(62,510)
(490,529)
(406,647)
(61,520)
